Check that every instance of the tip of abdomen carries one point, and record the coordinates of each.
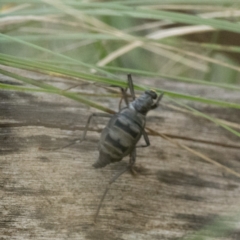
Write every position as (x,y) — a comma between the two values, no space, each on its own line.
(103,160)
(100,164)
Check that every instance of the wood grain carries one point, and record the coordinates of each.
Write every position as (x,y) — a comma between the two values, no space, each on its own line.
(53,194)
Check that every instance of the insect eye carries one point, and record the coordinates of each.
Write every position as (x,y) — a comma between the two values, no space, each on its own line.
(152,93)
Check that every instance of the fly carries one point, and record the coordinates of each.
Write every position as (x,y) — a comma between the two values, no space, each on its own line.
(123,131)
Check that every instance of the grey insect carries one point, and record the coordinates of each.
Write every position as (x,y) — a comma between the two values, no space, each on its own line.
(123,131)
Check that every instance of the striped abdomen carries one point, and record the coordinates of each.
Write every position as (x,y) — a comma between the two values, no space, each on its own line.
(120,136)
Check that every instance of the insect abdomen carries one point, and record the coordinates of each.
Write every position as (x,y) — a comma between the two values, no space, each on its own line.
(119,137)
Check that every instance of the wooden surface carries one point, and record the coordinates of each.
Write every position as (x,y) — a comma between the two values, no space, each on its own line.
(54,194)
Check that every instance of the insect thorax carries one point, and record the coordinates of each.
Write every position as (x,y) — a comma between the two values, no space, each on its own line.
(144,103)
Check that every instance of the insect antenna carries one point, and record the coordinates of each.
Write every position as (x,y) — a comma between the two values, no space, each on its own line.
(155,105)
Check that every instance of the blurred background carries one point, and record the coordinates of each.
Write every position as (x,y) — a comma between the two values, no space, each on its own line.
(195,40)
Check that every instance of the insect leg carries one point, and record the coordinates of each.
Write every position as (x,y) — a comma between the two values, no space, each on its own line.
(132,159)
(124,91)
(131,86)
(58,148)
(145,136)
(115,177)
(124,94)
(84,133)
(155,105)
(89,120)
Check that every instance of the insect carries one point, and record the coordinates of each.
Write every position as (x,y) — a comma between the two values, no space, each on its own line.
(123,131)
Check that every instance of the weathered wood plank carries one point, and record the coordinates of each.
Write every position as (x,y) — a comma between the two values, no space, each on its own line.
(54,194)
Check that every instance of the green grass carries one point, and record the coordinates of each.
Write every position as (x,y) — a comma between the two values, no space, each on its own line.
(40,38)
